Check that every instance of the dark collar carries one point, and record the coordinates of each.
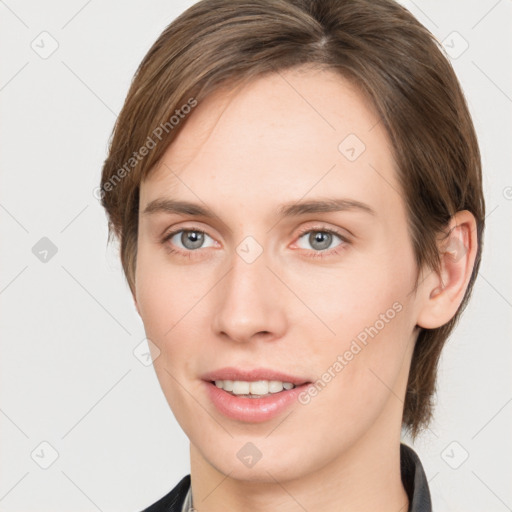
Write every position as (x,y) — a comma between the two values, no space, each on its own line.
(173,501)
(413,479)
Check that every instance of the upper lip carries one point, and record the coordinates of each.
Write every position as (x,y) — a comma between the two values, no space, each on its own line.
(254,374)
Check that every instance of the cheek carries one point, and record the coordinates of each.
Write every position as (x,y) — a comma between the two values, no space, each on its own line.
(340,303)
(165,293)
(172,301)
(154,298)
(369,312)
(360,377)
(166,299)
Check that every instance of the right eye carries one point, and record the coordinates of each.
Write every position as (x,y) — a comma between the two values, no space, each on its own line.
(190,239)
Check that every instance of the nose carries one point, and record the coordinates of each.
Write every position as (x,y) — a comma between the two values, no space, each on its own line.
(250,302)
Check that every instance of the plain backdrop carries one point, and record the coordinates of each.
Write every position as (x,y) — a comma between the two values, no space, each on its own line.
(84,425)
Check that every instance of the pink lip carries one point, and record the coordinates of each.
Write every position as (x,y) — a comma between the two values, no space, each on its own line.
(254,410)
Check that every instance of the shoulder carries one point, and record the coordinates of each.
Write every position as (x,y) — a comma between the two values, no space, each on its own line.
(173,501)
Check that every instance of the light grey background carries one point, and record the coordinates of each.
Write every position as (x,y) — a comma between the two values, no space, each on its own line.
(68,327)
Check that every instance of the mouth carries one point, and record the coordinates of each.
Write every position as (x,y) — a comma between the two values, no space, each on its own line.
(253,396)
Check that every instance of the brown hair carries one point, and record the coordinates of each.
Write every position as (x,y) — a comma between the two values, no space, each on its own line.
(379,46)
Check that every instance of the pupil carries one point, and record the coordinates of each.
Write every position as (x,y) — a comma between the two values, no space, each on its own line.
(318,236)
(192,237)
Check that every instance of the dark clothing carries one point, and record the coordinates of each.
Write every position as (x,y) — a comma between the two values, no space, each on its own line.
(173,501)
(413,479)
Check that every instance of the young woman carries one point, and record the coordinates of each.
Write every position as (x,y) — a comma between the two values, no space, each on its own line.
(296,187)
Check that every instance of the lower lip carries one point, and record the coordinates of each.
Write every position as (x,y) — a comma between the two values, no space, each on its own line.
(254,410)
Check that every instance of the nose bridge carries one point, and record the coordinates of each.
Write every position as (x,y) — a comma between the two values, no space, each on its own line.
(248,301)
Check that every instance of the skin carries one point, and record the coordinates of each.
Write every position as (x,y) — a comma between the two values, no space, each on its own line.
(243,153)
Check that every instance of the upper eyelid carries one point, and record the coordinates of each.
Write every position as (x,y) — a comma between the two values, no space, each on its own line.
(335,231)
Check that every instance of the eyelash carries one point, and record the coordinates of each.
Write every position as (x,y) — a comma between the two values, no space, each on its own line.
(316,254)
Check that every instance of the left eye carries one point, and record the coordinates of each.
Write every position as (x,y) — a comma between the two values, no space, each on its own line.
(320,240)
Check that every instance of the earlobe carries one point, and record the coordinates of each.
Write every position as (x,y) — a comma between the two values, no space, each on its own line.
(444,291)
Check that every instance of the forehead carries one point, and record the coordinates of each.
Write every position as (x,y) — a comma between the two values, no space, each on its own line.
(280,137)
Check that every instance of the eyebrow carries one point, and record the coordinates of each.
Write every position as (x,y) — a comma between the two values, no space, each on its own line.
(164,205)
(323,206)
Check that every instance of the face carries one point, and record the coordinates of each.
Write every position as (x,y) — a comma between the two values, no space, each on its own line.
(295,266)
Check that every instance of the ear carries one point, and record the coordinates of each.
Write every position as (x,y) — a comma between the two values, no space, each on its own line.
(442,292)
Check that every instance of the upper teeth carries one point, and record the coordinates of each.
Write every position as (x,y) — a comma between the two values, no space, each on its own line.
(259,387)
